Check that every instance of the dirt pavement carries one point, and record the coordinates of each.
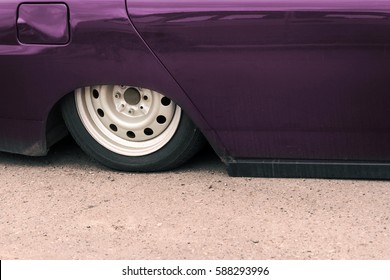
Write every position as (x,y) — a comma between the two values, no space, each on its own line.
(65,206)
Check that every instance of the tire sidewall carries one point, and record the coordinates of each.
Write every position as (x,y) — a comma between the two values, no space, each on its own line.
(167,157)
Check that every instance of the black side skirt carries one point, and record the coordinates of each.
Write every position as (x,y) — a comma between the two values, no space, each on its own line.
(309,169)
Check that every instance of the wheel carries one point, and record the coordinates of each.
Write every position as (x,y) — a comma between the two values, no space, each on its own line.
(131,128)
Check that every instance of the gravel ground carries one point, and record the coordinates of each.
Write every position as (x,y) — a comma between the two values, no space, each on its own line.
(65,206)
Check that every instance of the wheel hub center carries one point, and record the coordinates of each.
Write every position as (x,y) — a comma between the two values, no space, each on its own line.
(132,96)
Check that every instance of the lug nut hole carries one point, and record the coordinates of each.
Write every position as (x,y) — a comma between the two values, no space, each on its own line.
(130,134)
(113,127)
(161,119)
(165,101)
(95,94)
(148,131)
(100,112)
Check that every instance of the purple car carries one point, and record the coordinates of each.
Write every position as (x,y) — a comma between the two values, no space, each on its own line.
(278,88)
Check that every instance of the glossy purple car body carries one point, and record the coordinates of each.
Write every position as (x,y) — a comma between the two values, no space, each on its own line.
(279,88)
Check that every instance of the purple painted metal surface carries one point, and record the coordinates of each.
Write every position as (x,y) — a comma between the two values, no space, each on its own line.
(43,24)
(104,48)
(262,79)
(280,79)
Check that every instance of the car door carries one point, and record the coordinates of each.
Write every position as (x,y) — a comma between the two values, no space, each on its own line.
(280,79)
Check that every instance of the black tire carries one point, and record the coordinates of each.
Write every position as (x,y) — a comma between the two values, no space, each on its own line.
(185,143)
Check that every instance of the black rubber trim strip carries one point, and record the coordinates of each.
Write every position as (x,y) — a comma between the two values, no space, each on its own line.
(309,169)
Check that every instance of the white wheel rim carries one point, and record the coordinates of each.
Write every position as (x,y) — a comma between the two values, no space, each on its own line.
(129,121)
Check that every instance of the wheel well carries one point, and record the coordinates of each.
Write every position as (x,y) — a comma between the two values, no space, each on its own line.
(55,125)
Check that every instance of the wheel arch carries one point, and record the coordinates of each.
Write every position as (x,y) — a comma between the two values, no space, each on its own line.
(55,128)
